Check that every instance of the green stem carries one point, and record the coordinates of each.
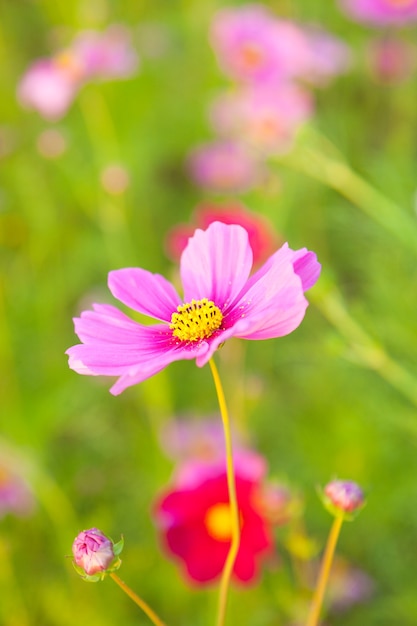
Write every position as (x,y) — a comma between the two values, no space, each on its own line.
(234,508)
(367,351)
(319,159)
(137,600)
(315,609)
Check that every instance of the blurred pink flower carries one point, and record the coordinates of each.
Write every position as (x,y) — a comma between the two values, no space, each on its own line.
(48,87)
(106,55)
(15,496)
(391,60)
(221,300)
(328,56)
(195,526)
(265,117)
(381,12)
(262,238)
(252,45)
(224,166)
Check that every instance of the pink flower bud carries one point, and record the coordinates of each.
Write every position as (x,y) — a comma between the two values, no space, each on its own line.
(343,496)
(94,553)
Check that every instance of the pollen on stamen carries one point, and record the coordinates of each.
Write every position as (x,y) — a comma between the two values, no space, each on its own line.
(196,320)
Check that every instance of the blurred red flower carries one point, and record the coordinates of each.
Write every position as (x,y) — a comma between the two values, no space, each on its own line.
(195,524)
(262,237)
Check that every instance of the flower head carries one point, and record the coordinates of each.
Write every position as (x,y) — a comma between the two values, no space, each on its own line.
(343,496)
(266,118)
(47,87)
(223,166)
(95,554)
(195,522)
(262,238)
(381,12)
(106,55)
(251,45)
(221,300)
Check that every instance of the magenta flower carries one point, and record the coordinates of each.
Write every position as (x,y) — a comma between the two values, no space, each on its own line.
(265,117)
(220,301)
(195,523)
(262,238)
(224,166)
(391,59)
(252,45)
(94,553)
(48,87)
(381,12)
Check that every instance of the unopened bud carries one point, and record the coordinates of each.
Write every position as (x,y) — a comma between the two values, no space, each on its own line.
(343,496)
(95,555)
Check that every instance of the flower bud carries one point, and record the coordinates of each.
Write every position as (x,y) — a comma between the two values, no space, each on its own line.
(343,496)
(95,554)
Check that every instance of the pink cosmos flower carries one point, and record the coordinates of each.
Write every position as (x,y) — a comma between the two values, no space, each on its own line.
(106,55)
(47,87)
(252,45)
(328,57)
(224,166)
(195,524)
(262,238)
(93,552)
(221,300)
(381,12)
(265,117)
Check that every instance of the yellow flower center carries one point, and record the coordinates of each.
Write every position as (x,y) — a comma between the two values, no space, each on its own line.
(218,522)
(196,320)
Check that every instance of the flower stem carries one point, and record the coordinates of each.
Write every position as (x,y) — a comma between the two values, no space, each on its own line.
(313,617)
(137,600)
(318,158)
(234,509)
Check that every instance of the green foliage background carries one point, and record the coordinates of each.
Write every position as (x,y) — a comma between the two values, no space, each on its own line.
(336,398)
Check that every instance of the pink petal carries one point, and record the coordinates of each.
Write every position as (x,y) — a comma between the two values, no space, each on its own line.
(273,303)
(216,263)
(131,351)
(150,294)
(307,267)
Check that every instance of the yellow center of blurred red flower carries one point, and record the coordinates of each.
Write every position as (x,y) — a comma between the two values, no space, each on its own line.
(196,320)
(218,522)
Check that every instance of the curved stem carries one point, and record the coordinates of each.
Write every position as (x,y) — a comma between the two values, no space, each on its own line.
(234,509)
(318,158)
(313,617)
(137,600)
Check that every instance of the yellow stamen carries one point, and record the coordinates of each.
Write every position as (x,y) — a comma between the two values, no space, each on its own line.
(218,522)
(196,320)
(252,56)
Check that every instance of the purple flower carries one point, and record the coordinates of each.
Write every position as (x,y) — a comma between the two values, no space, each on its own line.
(15,496)
(221,300)
(94,553)
(381,12)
